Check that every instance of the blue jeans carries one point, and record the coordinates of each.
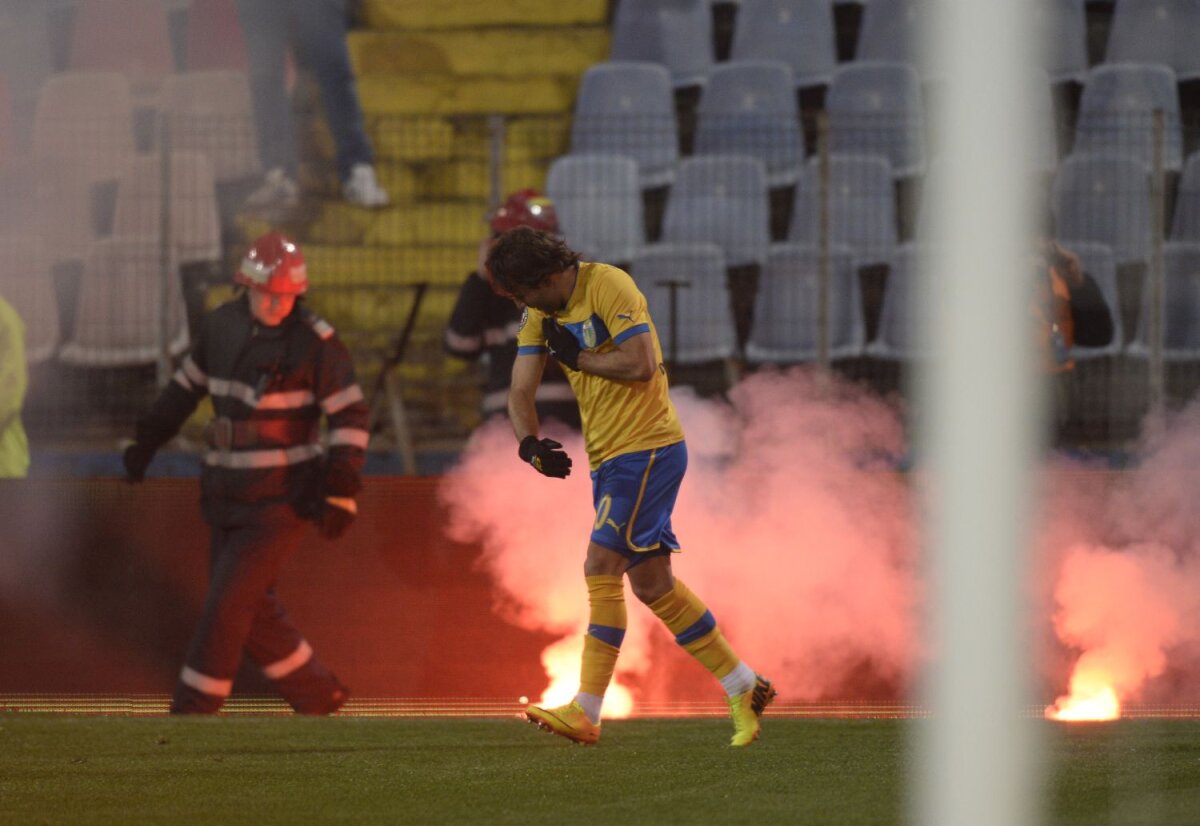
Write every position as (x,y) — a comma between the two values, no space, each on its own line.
(316,31)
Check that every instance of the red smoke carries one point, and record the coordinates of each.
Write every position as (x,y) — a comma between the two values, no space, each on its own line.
(802,542)
(1121,554)
(794,533)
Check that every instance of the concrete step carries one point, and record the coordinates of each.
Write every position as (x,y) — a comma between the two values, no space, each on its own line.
(501,52)
(440,14)
(347,266)
(459,223)
(443,94)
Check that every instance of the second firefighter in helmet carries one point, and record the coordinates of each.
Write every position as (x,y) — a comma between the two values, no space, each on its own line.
(484,320)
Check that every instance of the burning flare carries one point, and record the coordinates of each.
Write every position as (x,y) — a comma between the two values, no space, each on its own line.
(561,661)
(1092,697)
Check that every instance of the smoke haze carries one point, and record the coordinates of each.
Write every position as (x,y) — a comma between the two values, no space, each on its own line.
(792,529)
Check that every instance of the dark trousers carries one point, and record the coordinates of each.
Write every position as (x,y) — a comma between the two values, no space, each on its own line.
(243,613)
(316,31)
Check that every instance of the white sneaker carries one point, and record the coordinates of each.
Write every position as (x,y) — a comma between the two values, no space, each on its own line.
(362,188)
(277,189)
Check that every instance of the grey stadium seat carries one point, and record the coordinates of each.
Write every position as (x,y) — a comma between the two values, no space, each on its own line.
(723,200)
(1181,307)
(676,34)
(704,328)
(786,320)
(1116,112)
(877,109)
(117,323)
(861,206)
(1105,199)
(628,109)
(1156,31)
(899,327)
(599,205)
(750,109)
(798,32)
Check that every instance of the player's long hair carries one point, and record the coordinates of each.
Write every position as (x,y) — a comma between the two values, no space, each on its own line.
(523,258)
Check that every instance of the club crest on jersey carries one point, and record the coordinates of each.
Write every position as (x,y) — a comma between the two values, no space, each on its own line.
(524,318)
(589,334)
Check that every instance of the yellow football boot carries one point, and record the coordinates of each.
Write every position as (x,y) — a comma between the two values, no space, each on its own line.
(746,708)
(568,721)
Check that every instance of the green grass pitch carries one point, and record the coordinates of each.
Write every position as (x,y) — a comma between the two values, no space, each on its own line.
(266,769)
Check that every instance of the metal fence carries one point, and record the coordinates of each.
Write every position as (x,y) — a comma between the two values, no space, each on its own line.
(762,237)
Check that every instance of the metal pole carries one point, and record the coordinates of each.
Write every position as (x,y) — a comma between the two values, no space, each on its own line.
(673,285)
(495,160)
(823,265)
(1154,283)
(978,420)
(167,276)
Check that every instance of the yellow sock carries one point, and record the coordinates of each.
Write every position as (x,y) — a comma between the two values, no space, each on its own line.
(606,630)
(695,629)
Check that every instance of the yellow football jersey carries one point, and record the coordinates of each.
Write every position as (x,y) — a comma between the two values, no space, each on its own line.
(605,309)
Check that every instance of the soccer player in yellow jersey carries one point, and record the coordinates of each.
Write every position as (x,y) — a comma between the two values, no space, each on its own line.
(594,320)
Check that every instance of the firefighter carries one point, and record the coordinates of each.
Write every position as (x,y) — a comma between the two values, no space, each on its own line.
(272,367)
(484,322)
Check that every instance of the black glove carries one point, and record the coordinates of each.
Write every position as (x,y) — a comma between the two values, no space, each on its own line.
(546,456)
(562,343)
(137,458)
(334,520)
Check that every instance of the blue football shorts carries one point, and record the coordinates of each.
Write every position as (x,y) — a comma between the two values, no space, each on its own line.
(633,495)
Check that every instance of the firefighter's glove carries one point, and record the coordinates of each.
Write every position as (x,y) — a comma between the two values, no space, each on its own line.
(137,458)
(546,455)
(562,343)
(337,515)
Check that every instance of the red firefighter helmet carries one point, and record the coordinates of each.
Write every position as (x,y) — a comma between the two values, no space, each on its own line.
(525,208)
(275,264)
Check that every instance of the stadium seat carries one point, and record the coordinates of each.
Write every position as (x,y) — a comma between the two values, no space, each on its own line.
(214,37)
(210,113)
(127,36)
(1181,307)
(63,198)
(750,109)
(861,206)
(723,200)
(1116,112)
(704,329)
(676,34)
(877,109)
(628,109)
(117,323)
(599,205)
(195,225)
(25,283)
(1105,199)
(1064,25)
(798,32)
(85,117)
(786,318)
(1045,127)
(1156,31)
(889,31)
(1185,225)
(1097,261)
(25,59)
(897,336)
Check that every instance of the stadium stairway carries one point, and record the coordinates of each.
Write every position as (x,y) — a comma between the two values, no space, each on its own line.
(431,75)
